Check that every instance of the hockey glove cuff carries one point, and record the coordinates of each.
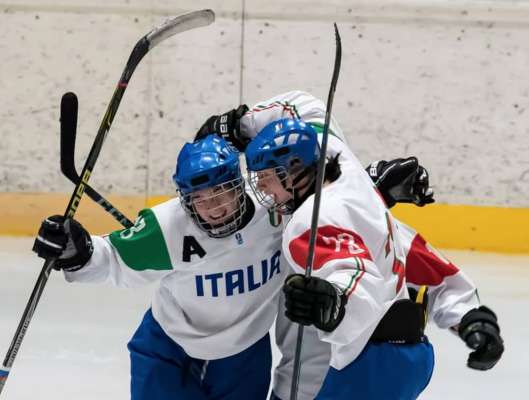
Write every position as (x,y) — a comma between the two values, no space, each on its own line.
(226,125)
(66,240)
(401,180)
(480,331)
(314,301)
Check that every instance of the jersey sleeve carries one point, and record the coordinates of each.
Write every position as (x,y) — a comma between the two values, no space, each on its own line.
(294,104)
(451,294)
(128,258)
(354,258)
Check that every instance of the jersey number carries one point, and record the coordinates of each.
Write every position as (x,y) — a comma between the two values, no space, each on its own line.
(343,238)
(138,226)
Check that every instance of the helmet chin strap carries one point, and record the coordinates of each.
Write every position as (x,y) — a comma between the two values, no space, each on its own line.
(303,186)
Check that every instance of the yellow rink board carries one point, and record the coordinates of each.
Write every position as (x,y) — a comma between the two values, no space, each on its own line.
(493,229)
(446,226)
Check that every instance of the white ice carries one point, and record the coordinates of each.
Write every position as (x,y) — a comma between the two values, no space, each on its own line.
(75,347)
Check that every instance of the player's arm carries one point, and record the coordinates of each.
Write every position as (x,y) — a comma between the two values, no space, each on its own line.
(128,258)
(347,305)
(238,126)
(452,299)
(348,293)
(401,180)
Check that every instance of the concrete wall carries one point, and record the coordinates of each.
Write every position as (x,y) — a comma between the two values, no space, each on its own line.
(446,81)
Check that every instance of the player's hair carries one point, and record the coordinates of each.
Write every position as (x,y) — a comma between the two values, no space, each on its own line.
(333,170)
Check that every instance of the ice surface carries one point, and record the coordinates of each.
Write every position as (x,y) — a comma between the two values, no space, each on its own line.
(76,344)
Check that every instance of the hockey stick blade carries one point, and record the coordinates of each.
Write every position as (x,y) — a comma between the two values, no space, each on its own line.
(69,112)
(317,200)
(185,22)
(182,23)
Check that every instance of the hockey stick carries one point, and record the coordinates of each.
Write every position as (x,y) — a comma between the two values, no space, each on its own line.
(150,40)
(68,136)
(317,200)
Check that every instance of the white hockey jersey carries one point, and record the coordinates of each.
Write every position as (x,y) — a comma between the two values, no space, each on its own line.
(216,297)
(294,104)
(451,294)
(355,247)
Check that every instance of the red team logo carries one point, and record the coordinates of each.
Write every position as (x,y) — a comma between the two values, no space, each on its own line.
(426,266)
(332,243)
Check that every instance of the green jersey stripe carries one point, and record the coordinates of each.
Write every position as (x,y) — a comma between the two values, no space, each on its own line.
(142,247)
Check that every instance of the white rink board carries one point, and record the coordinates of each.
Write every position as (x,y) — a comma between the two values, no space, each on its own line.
(444,80)
(75,347)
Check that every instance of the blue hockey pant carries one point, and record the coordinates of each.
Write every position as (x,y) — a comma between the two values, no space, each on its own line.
(383,371)
(161,370)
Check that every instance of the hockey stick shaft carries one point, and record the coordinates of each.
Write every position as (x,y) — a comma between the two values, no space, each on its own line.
(316,207)
(108,207)
(69,111)
(178,24)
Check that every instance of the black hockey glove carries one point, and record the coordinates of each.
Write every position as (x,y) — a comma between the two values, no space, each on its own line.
(226,125)
(65,240)
(314,301)
(479,329)
(401,180)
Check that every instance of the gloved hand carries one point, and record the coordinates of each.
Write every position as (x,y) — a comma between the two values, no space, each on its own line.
(401,180)
(480,331)
(66,240)
(226,125)
(314,301)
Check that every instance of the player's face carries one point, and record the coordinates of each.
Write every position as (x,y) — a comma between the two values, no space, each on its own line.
(216,205)
(272,183)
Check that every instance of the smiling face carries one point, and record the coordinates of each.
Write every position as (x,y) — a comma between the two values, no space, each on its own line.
(216,205)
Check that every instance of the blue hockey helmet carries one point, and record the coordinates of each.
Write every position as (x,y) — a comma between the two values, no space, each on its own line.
(206,163)
(211,163)
(285,151)
(281,142)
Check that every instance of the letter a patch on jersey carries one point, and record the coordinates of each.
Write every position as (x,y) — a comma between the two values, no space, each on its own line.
(190,247)
(332,243)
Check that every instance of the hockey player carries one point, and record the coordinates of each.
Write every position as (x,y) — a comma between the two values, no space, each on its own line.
(358,259)
(218,260)
(448,297)
(452,296)
(219,273)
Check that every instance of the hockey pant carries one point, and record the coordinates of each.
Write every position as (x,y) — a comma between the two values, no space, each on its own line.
(383,371)
(161,370)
